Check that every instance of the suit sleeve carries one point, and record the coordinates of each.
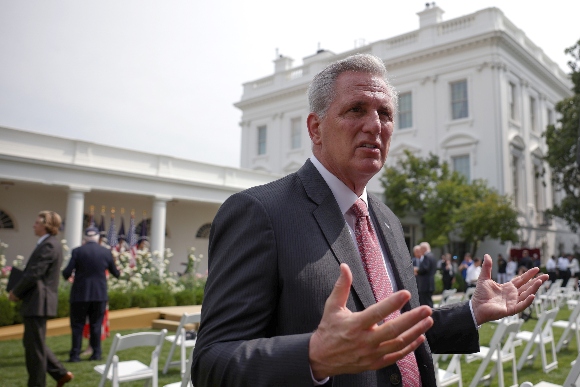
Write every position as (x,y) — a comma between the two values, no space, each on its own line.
(425,266)
(112,267)
(67,272)
(36,269)
(237,343)
(453,330)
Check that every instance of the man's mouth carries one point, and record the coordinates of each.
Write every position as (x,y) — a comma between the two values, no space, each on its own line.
(370,146)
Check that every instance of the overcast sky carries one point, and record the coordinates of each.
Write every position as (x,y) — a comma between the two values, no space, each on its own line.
(161,76)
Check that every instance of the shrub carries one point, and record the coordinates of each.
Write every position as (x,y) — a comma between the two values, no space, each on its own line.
(6,312)
(119,300)
(161,294)
(63,309)
(185,297)
(143,299)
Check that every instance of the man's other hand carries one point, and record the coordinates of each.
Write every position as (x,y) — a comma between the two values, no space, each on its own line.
(492,301)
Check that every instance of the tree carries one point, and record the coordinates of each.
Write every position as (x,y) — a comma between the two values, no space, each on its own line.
(446,204)
(427,189)
(563,149)
(486,214)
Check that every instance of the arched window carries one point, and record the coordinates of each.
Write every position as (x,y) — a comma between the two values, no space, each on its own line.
(6,221)
(203,231)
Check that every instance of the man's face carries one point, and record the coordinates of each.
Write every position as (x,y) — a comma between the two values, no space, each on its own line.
(352,140)
(417,253)
(38,227)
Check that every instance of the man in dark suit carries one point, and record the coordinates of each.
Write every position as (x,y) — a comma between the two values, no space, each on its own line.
(426,275)
(88,296)
(274,312)
(38,290)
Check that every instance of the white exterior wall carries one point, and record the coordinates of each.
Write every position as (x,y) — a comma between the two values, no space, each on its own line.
(486,50)
(37,172)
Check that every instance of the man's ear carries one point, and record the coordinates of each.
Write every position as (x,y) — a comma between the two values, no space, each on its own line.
(313,123)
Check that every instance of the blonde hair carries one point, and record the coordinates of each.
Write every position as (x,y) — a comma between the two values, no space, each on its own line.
(51,221)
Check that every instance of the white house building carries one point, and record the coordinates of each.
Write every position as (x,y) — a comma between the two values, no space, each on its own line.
(473,90)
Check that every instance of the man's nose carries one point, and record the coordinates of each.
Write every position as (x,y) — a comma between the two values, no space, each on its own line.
(372,123)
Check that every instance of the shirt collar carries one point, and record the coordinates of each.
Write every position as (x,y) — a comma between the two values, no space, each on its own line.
(343,195)
(42,238)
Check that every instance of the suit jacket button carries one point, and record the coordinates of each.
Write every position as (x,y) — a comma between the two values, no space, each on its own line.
(395,379)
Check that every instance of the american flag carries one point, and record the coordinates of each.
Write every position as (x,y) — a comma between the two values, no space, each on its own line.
(132,240)
(131,236)
(112,236)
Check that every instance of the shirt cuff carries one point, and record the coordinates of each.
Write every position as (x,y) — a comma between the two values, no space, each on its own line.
(472,316)
(317,382)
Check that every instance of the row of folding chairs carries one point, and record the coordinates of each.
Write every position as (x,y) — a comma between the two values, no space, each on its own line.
(539,344)
(451,296)
(118,371)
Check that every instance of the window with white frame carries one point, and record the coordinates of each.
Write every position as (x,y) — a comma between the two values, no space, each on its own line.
(405,110)
(512,100)
(459,101)
(516,179)
(538,189)
(296,133)
(262,133)
(461,166)
(550,116)
(533,118)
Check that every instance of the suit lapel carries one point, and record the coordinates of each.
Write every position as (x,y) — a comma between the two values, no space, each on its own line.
(402,267)
(335,230)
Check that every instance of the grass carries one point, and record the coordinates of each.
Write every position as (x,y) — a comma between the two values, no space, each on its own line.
(14,371)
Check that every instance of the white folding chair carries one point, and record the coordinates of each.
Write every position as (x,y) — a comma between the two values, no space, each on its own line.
(126,371)
(571,380)
(454,299)
(186,377)
(451,375)
(444,296)
(551,296)
(539,338)
(468,294)
(501,350)
(570,325)
(179,340)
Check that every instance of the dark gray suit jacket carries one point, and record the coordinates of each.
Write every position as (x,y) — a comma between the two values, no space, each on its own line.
(38,287)
(426,273)
(274,258)
(90,261)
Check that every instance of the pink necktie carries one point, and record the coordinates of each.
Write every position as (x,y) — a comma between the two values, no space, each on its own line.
(372,259)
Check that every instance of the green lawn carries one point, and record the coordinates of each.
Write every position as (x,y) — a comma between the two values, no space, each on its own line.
(13,370)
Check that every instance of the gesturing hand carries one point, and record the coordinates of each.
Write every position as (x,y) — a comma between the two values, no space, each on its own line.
(351,342)
(492,301)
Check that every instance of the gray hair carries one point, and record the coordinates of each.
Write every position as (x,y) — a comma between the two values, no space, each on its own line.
(321,91)
(92,238)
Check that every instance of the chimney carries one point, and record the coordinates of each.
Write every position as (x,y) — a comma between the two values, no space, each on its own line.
(432,14)
(282,63)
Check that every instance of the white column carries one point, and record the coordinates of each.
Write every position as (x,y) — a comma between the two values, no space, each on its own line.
(74,216)
(158,222)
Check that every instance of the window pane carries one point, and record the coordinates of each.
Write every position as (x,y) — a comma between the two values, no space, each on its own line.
(461,165)
(459,99)
(405,110)
(512,101)
(533,113)
(295,133)
(261,140)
